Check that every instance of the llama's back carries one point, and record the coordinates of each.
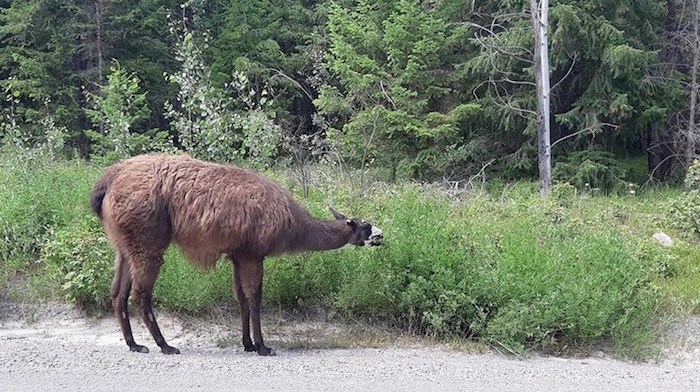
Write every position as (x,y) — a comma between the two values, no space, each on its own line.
(216,209)
(210,209)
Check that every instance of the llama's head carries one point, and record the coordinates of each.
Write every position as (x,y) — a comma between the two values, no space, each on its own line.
(363,232)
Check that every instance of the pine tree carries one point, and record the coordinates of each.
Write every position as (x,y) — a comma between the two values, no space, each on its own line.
(394,104)
(51,51)
(266,40)
(606,87)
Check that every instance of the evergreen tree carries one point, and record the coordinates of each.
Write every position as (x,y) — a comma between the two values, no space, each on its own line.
(394,103)
(143,44)
(606,93)
(266,41)
(41,57)
(51,51)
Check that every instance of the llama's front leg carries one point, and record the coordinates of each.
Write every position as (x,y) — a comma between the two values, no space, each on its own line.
(255,304)
(245,309)
(251,275)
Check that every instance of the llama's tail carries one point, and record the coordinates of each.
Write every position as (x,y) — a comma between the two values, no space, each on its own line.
(100,189)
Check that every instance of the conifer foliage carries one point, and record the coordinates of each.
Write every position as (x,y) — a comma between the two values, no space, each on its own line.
(406,89)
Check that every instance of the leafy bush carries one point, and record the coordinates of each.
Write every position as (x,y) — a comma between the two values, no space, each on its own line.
(692,177)
(661,261)
(80,259)
(523,268)
(591,169)
(684,214)
(295,280)
(683,211)
(520,273)
(684,279)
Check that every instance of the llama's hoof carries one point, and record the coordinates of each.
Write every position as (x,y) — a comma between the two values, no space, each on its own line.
(266,351)
(250,348)
(169,350)
(137,348)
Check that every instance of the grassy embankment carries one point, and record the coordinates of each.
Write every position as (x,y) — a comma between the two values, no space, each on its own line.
(504,266)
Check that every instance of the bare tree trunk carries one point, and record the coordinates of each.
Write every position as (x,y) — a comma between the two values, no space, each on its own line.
(540,21)
(99,7)
(691,133)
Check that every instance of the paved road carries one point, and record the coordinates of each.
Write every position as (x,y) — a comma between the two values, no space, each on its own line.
(69,353)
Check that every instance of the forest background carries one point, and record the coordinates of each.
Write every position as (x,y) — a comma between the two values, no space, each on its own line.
(411,90)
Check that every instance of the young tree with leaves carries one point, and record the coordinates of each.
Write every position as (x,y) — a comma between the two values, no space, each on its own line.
(209,122)
(117,108)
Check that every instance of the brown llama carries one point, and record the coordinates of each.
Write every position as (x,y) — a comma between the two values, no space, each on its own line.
(209,210)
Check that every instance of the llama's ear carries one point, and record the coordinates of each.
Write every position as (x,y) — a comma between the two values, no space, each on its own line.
(336,214)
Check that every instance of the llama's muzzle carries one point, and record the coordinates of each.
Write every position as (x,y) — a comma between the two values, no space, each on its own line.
(376,238)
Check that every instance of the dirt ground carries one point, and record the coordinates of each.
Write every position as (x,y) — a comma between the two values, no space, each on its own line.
(56,348)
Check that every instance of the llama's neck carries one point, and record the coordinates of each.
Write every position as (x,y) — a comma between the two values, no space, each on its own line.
(323,235)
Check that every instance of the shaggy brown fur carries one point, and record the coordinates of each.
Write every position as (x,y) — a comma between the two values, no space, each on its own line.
(209,210)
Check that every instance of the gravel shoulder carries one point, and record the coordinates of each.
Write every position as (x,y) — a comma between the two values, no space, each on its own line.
(63,350)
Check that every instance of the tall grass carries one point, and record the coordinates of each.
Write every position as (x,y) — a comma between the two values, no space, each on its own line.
(38,196)
(183,287)
(507,267)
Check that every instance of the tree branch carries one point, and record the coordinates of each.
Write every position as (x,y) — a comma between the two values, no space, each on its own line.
(571,68)
(589,128)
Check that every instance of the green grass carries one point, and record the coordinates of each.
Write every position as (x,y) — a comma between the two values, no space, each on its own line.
(39,197)
(183,287)
(637,168)
(505,267)
(685,281)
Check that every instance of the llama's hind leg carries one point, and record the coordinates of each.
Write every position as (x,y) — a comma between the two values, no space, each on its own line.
(245,309)
(121,288)
(251,275)
(144,274)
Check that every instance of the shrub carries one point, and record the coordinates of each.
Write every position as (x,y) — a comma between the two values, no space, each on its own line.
(184,287)
(304,279)
(79,258)
(692,177)
(22,221)
(683,211)
(521,273)
(591,169)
